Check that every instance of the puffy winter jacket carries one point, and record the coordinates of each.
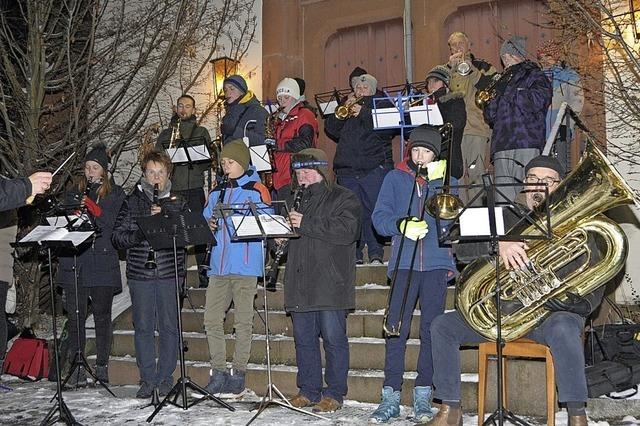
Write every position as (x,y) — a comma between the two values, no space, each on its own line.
(295,132)
(517,117)
(127,235)
(236,257)
(392,204)
(321,266)
(360,148)
(97,259)
(237,117)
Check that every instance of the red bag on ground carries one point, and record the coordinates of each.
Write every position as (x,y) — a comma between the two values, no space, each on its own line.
(28,359)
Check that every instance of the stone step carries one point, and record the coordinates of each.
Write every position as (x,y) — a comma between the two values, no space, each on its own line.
(365,353)
(364,385)
(365,274)
(371,297)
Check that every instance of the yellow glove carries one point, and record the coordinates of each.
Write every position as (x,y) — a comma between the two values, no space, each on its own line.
(436,169)
(413,228)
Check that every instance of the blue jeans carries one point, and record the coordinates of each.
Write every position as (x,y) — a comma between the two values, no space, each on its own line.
(430,288)
(367,187)
(154,302)
(332,327)
(561,331)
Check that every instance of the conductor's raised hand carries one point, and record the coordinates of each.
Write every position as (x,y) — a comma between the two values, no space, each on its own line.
(40,182)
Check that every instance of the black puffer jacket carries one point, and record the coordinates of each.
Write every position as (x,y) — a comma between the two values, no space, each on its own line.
(321,268)
(127,235)
(98,263)
(238,114)
(14,192)
(360,148)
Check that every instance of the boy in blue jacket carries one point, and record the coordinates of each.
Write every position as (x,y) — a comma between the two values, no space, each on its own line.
(234,268)
(432,268)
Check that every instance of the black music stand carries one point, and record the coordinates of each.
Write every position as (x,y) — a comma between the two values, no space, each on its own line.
(165,231)
(492,191)
(256,222)
(54,238)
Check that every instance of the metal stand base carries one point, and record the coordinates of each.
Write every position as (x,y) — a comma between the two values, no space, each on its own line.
(79,360)
(64,415)
(499,416)
(268,400)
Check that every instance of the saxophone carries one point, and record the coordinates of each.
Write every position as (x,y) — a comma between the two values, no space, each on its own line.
(576,206)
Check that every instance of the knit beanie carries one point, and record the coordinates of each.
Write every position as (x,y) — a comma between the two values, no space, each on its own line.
(441,73)
(237,81)
(428,137)
(238,152)
(357,72)
(547,162)
(550,48)
(368,79)
(98,154)
(514,45)
(312,158)
(288,86)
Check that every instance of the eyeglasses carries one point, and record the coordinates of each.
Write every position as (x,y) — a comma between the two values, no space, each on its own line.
(548,180)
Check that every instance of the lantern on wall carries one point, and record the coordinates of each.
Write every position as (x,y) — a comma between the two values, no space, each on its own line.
(223,67)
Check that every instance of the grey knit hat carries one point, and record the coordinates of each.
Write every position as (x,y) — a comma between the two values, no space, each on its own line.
(514,45)
(238,81)
(441,73)
(428,137)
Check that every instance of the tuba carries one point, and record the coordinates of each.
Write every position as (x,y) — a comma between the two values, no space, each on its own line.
(576,206)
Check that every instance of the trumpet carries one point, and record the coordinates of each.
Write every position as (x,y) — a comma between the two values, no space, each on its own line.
(346,110)
(483,97)
(463,68)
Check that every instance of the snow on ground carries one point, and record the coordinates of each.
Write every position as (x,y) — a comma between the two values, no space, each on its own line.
(29,403)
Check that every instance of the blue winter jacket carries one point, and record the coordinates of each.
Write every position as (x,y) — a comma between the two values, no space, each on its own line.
(517,117)
(392,204)
(237,257)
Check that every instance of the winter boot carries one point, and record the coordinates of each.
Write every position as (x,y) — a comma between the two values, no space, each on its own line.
(102,373)
(389,406)
(447,416)
(165,386)
(235,382)
(422,404)
(217,381)
(145,391)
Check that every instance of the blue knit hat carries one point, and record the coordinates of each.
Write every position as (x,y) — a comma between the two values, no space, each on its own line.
(237,81)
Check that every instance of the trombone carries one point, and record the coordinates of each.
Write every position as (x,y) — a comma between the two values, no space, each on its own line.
(445,205)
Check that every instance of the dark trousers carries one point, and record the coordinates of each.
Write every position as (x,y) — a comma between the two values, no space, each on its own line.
(308,327)
(367,188)
(101,301)
(154,303)
(195,199)
(561,331)
(4,288)
(430,288)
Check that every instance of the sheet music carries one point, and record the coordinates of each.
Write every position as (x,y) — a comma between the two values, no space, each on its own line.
(53,233)
(328,107)
(475,222)
(197,153)
(247,226)
(60,221)
(260,157)
(425,114)
(384,118)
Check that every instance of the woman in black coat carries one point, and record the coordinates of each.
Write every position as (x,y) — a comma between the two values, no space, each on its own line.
(96,262)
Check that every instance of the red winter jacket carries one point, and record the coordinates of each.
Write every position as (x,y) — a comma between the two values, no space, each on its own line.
(297,131)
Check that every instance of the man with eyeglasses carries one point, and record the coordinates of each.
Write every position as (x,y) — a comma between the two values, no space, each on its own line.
(561,330)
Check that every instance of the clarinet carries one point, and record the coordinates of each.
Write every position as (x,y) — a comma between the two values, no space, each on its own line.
(207,256)
(272,276)
(151,257)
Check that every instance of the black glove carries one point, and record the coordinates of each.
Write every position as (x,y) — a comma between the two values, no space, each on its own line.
(575,303)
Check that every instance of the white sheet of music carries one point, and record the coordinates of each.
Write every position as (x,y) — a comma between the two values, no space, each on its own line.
(475,222)
(53,233)
(247,226)
(260,158)
(426,114)
(196,153)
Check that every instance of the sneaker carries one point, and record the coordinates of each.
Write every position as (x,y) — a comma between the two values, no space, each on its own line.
(389,406)
(165,386)
(216,381)
(300,401)
(376,261)
(327,405)
(422,410)
(235,382)
(102,373)
(359,262)
(145,391)
(78,379)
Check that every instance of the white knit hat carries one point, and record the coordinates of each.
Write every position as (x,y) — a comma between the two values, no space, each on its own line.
(368,79)
(288,86)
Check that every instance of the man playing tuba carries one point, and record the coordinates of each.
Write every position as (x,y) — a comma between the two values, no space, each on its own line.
(561,330)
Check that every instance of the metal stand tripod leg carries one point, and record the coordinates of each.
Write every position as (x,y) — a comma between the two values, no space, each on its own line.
(64,415)
(184,382)
(268,399)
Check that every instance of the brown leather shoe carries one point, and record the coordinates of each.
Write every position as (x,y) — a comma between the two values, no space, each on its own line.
(447,416)
(578,420)
(300,401)
(326,405)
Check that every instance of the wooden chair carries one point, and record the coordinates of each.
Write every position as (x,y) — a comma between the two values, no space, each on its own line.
(521,348)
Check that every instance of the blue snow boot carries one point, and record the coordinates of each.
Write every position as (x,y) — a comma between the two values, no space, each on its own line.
(422,410)
(389,406)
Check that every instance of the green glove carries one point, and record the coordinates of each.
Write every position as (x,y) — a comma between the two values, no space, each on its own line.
(437,169)
(413,228)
